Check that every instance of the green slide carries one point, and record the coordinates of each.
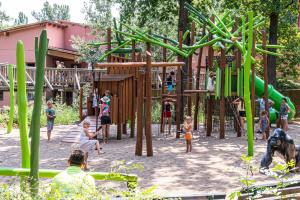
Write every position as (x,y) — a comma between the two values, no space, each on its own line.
(275,96)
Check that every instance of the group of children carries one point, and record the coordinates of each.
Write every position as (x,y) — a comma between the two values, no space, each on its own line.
(264,122)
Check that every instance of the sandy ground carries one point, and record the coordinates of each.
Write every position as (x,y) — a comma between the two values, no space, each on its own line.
(213,166)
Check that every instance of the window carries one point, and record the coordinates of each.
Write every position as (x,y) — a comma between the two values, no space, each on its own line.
(30,64)
(1,95)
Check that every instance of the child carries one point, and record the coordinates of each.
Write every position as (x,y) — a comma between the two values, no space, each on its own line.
(170,81)
(264,124)
(284,111)
(50,113)
(167,114)
(105,117)
(241,112)
(187,126)
(87,144)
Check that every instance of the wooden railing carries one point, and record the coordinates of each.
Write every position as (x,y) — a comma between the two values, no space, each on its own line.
(54,77)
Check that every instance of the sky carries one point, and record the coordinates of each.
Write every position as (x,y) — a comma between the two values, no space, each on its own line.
(13,7)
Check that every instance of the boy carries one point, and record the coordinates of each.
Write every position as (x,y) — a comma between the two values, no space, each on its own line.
(284,111)
(50,113)
(73,180)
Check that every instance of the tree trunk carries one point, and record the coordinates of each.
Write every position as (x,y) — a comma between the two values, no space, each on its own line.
(183,26)
(271,60)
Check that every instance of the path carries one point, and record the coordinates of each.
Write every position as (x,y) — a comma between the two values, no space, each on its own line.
(214,165)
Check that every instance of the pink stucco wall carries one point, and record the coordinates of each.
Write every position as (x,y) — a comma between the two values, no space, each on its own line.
(8,44)
(77,31)
(56,36)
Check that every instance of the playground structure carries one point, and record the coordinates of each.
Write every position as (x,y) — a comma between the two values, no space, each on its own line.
(130,81)
(232,55)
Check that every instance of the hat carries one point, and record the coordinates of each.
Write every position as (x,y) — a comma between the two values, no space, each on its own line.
(105,99)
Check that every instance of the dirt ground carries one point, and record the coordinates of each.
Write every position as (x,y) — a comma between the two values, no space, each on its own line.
(213,166)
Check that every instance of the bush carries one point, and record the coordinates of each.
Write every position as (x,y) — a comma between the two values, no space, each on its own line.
(65,115)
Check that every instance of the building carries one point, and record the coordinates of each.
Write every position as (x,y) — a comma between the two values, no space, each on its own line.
(59,48)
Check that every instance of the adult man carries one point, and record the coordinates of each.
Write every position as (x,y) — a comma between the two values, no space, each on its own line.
(73,180)
(262,104)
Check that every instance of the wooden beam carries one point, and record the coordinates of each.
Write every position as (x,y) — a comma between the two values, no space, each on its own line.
(198,84)
(163,89)
(210,99)
(222,98)
(148,104)
(140,114)
(266,83)
(80,104)
(195,91)
(178,91)
(48,83)
(139,64)
(190,71)
(134,94)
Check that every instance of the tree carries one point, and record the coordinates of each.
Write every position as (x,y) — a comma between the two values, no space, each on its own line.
(22,19)
(53,12)
(276,11)
(98,13)
(3,17)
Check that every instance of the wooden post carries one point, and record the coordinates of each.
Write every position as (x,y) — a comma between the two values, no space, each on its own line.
(210,99)
(222,98)
(253,82)
(80,104)
(132,124)
(238,66)
(109,43)
(119,124)
(190,70)
(140,115)
(163,89)
(124,128)
(266,92)
(178,91)
(198,85)
(148,110)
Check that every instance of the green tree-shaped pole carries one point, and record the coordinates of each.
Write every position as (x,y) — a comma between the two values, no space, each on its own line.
(22,104)
(11,98)
(247,99)
(41,47)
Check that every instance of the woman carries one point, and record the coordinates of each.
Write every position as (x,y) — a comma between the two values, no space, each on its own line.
(105,117)
(87,144)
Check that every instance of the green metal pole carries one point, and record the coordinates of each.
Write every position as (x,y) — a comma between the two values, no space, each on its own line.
(22,105)
(247,99)
(11,98)
(41,50)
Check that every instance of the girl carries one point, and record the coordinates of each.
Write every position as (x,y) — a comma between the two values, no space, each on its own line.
(167,114)
(87,144)
(264,124)
(105,118)
(241,112)
(187,126)
(284,111)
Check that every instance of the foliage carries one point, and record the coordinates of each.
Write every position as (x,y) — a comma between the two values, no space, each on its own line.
(53,12)
(3,17)
(280,172)
(22,19)
(65,115)
(98,13)
(11,192)
(284,83)
(156,112)
(88,53)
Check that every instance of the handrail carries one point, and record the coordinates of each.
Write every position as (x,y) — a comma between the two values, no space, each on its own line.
(131,179)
